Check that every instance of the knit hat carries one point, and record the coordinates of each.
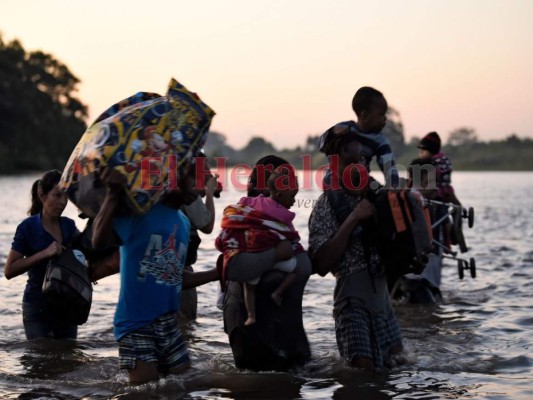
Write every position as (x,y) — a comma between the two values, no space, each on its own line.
(430,142)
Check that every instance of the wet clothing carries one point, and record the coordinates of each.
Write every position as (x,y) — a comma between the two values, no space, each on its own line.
(159,342)
(357,331)
(40,322)
(365,324)
(152,256)
(31,238)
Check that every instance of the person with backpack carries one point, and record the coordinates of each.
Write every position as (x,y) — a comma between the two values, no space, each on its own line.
(44,234)
(367,332)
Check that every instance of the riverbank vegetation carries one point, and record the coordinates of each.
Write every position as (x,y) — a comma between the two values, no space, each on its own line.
(509,154)
(42,120)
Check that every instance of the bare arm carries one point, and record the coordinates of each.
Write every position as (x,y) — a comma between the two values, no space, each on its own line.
(103,233)
(331,253)
(105,266)
(210,187)
(193,279)
(452,198)
(17,264)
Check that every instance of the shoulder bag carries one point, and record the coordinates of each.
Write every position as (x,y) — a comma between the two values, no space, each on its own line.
(67,286)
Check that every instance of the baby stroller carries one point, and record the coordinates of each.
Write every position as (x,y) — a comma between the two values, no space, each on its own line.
(445,220)
(447,224)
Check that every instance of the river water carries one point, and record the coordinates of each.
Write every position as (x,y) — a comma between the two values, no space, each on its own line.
(476,344)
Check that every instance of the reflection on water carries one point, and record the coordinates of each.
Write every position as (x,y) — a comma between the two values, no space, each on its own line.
(475,344)
(49,359)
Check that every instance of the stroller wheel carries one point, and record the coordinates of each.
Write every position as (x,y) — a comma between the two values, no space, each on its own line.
(460,269)
(471,217)
(472,267)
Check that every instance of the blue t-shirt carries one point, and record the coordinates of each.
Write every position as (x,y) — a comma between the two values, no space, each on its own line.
(31,238)
(152,256)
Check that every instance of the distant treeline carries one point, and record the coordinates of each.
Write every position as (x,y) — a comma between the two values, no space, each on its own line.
(41,121)
(510,154)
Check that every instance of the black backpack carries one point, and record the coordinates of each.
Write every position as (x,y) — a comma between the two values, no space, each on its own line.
(67,287)
(403,231)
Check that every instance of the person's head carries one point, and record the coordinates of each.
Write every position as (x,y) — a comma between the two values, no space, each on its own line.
(283,185)
(185,194)
(422,176)
(347,162)
(370,107)
(353,174)
(46,197)
(257,181)
(340,144)
(429,145)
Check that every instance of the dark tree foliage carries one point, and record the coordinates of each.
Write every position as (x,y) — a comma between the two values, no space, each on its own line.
(41,120)
(462,137)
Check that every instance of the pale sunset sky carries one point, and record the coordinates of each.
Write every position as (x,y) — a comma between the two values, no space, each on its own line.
(287,69)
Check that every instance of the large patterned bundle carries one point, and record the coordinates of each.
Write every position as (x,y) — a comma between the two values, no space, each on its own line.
(151,139)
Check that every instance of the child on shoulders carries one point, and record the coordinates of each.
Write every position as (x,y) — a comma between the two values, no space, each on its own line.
(370,107)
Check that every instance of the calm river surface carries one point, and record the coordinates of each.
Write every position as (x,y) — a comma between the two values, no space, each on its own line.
(476,344)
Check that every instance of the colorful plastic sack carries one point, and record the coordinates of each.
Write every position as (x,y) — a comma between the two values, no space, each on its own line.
(151,139)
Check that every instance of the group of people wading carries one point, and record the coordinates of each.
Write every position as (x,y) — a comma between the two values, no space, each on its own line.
(263,268)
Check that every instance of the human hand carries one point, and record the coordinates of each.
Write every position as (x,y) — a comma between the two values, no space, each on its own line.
(219,189)
(364,210)
(211,184)
(113,179)
(55,248)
